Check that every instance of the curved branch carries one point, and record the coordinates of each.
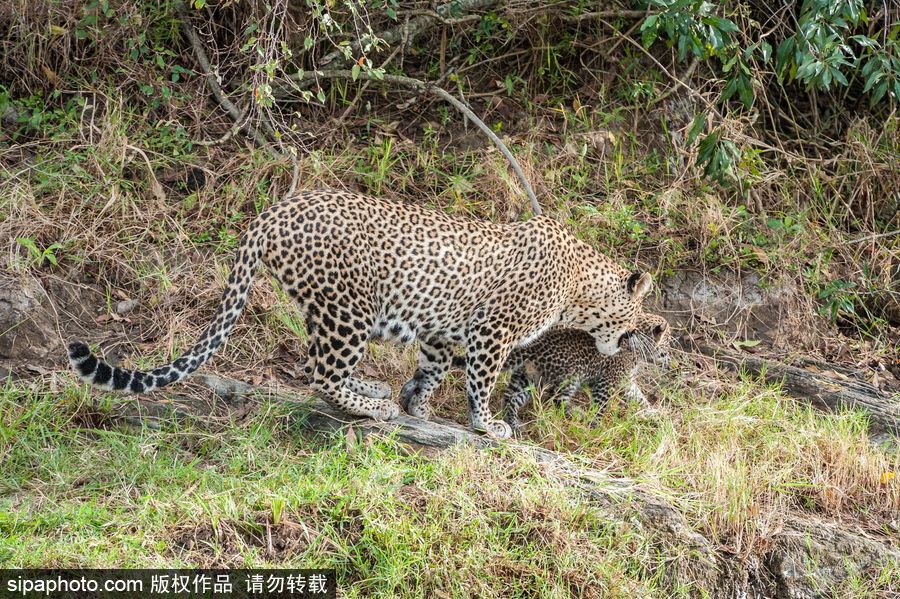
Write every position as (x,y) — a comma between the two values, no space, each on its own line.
(457,103)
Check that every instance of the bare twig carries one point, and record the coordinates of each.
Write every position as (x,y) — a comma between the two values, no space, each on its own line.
(228,134)
(458,104)
(606,14)
(295,173)
(442,19)
(873,236)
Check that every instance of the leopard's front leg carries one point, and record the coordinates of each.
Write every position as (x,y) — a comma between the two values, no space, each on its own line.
(486,353)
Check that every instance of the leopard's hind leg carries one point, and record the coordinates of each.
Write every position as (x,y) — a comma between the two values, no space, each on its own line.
(335,350)
(373,389)
(435,358)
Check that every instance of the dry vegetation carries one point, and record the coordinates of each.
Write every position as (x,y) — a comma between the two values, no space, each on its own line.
(107,196)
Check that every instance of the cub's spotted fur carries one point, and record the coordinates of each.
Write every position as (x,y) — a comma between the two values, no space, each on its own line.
(361,268)
(564,360)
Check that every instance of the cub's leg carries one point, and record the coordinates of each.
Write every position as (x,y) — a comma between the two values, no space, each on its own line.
(435,357)
(516,397)
(486,353)
(336,351)
(633,391)
(566,390)
(600,390)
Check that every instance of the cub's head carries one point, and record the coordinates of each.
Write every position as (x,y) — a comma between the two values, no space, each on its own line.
(607,302)
(651,339)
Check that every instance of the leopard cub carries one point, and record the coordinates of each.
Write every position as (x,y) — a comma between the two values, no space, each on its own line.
(564,360)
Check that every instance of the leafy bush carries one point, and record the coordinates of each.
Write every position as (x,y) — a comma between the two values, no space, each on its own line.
(828,45)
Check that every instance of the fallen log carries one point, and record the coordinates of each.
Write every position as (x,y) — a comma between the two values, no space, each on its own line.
(806,559)
(812,384)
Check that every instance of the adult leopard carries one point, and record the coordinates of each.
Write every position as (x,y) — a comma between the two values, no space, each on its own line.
(362,268)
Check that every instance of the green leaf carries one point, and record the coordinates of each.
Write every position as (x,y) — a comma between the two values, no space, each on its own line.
(354,72)
(697,127)
(745,343)
(321,96)
(783,55)
(879,91)
(28,243)
(198,4)
(766,51)
(727,26)
(839,77)
(649,31)
(874,77)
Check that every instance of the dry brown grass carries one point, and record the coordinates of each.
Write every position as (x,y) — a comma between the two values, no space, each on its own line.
(740,459)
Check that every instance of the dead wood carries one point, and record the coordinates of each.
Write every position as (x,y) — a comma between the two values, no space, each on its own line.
(832,391)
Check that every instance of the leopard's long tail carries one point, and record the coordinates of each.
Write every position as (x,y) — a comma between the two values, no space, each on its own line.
(93,370)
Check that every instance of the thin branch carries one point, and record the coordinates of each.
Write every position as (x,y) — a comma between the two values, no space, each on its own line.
(295,173)
(458,104)
(874,236)
(442,19)
(228,134)
(606,14)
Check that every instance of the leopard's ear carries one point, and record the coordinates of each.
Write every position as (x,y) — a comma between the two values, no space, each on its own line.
(638,285)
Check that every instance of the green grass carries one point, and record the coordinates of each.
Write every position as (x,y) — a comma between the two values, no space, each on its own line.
(77,490)
(80,488)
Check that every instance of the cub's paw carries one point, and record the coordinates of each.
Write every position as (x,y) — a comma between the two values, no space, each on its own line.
(419,409)
(515,424)
(649,413)
(410,389)
(496,429)
(384,410)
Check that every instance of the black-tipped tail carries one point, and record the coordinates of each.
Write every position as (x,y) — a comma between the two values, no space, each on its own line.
(97,372)
(234,297)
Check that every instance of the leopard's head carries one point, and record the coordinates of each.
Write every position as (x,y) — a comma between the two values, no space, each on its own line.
(607,302)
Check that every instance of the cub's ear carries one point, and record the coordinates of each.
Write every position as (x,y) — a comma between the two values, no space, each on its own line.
(658,331)
(639,285)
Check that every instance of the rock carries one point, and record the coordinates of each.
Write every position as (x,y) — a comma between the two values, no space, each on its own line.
(739,304)
(27,324)
(126,306)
